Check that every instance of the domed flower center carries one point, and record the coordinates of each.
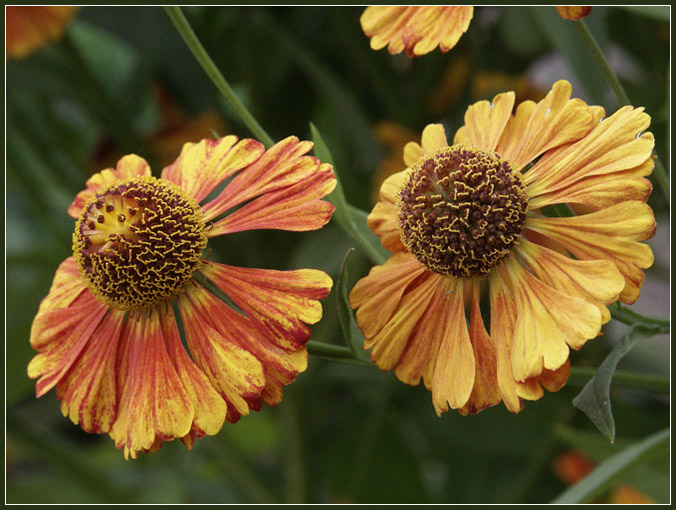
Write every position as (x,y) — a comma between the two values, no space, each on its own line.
(462,210)
(138,242)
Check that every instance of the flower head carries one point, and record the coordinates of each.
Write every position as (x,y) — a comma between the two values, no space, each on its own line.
(28,28)
(469,221)
(416,30)
(107,334)
(573,12)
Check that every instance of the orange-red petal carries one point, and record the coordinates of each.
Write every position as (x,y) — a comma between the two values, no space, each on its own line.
(573,12)
(153,404)
(202,166)
(28,28)
(128,167)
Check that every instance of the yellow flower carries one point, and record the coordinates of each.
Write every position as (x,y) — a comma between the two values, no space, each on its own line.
(465,220)
(416,30)
(28,28)
(107,333)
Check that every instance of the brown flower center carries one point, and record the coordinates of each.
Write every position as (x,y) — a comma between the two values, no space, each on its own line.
(138,242)
(462,210)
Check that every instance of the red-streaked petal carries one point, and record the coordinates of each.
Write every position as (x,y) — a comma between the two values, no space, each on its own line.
(297,208)
(485,122)
(233,371)
(485,392)
(548,322)
(612,146)
(378,294)
(209,406)
(608,234)
(202,166)
(554,121)
(281,166)
(279,303)
(88,392)
(455,370)
(153,404)
(60,335)
(596,281)
(128,167)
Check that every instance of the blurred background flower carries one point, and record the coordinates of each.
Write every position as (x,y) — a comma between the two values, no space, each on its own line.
(28,28)
(344,432)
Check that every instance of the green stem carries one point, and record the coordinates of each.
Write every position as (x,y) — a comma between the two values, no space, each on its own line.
(627,316)
(334,352)
(579,376)
(660,172)
(183,27)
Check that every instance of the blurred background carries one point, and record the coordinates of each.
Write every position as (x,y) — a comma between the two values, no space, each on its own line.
(121,80)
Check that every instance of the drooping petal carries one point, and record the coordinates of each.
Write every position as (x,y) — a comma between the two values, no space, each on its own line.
(548,322)
(485,122)
(88,391)
(232,370)
(297,208)
(202,166)
(128,167)
(596,281)
(279,303)
(209,406)
(383,218)
(153,406)
(554,121)
(583,168)
(455,370)
(612,234)
(485,392)
(378,294)
(281,166)
(416,30)
(60,335)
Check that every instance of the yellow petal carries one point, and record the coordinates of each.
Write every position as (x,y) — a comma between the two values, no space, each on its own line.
(485,122)
(412,152)
(433,138)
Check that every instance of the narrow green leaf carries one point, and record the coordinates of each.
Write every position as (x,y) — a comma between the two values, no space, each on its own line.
(351,219)
(614,467)
(594,399)
(353,336)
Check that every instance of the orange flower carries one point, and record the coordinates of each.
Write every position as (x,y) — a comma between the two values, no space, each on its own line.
(417,30)
(573,12)
(108,331)
(28,28)
(467,220)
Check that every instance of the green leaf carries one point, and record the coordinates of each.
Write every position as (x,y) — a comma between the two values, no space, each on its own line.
(353,336)
(351,219)
(594,399)
(660,13)
(614,467)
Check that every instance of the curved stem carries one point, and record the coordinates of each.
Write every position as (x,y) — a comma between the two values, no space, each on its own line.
(181,23)
(579,376)
(660,172)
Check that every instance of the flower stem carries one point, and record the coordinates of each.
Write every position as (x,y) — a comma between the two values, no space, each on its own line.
(335,352)
(661,175)
(188,34)
(623,379)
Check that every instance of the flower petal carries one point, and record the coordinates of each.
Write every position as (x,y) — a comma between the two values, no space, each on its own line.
(60,335)
(548,321)
(595,281)
(383,218)
(554,121)
(485,392)
(433,138)
(412,152)
(455,370)
(202,166)
(384,24)
(128,167)
(87,392)
(485,122)
(209,406)
(378,294)
(612,146)
(608,234)
(154,406)
(279,303)
(297,207)
(433,26)
(235,373)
